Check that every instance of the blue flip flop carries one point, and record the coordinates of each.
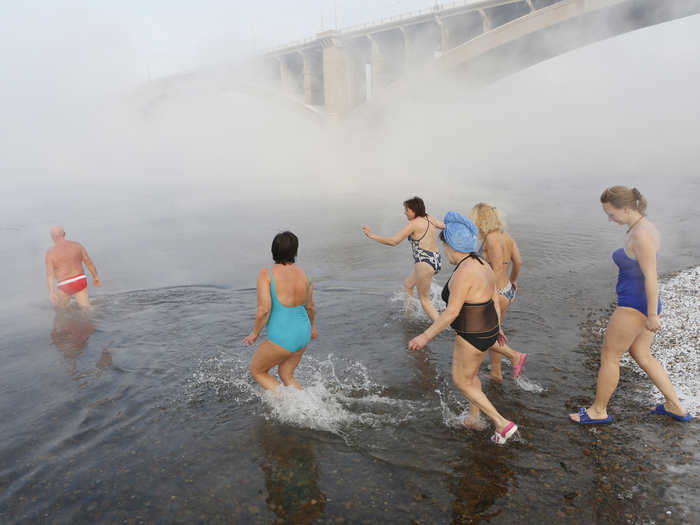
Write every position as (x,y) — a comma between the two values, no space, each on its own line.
(585,419)
(662,411)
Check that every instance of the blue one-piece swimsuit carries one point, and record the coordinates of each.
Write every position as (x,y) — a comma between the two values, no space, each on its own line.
(288,326)
(630,283)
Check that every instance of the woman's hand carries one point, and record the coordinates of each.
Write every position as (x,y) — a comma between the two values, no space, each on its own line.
(367,231)
(418,342)
(250,338)
(502,339)
(653,323)
(314,333)
(515,287)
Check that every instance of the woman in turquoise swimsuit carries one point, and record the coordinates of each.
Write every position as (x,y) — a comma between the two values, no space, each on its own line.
(636,318)
(286,308)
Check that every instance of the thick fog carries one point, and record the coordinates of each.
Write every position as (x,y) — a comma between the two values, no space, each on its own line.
(87,138)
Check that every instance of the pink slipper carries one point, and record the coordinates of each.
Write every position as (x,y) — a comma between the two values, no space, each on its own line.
(518,369)
(500,438)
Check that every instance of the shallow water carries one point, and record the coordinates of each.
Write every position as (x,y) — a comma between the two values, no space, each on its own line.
(144,408)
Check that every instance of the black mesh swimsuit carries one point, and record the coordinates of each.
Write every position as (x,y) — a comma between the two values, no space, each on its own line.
(477,323)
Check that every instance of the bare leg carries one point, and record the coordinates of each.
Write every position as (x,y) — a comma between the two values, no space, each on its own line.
(408,285)
(62,299)
(624,327)
(82,298)
(424,278)
(641,352)
(287,367)
(465,369)
(495,357)
(267,355)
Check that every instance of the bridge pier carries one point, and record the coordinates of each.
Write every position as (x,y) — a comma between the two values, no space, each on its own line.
(475,42)
(313,78)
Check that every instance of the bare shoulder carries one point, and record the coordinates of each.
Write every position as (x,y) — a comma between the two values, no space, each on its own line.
(264,274)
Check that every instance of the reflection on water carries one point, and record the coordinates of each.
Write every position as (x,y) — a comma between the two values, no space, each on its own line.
(72,328)
(291,475)
(480,479)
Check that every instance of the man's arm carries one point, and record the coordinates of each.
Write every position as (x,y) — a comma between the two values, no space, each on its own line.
(50,278)
(90,265)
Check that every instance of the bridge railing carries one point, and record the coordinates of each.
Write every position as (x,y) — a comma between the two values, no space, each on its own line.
(437,8)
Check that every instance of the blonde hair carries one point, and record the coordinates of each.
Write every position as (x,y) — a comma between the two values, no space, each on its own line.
(487,218)
(622,196)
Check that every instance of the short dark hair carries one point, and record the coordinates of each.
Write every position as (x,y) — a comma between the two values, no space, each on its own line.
(417,205)
(284,247)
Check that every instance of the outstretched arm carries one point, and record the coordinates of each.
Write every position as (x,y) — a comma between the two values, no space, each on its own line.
(264,306)
(458,292)
(389,241)
(90,265)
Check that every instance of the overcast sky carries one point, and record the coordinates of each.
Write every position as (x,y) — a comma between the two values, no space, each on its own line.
(92,46)
(125,42)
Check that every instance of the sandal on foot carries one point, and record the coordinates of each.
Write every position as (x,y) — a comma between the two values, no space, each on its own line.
(518,369)
(500,438)
(585,419)
(661,409)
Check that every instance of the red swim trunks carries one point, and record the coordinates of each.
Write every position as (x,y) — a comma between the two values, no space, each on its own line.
(73,284)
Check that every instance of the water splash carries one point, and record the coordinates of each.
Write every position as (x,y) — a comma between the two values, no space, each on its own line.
(413,309)
(338,396)
(529,386)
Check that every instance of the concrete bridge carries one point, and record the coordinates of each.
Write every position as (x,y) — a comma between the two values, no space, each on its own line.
(337,71)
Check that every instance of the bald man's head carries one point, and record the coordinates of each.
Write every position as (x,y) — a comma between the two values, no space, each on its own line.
(57,233)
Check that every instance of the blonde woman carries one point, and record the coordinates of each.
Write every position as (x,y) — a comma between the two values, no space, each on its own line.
(501,252)
(636,318)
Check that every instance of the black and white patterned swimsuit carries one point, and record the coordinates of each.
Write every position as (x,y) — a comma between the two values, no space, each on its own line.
(421,255)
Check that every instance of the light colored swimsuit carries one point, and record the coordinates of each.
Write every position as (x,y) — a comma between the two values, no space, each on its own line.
(288,326)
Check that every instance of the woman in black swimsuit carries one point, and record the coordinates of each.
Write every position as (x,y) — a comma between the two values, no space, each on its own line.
(422,232)
(472,311)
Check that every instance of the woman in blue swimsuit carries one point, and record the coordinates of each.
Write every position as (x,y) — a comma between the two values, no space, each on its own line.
(422,232)
(636,318)
(286,308)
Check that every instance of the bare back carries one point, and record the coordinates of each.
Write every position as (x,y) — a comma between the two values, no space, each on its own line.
(499,250)
(477,280)
(425,230)
(66,259)
(291,284)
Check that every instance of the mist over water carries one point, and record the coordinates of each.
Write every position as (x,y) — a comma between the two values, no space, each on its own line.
(177,188)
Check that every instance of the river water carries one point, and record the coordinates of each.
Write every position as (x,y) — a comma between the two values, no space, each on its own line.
(143,410)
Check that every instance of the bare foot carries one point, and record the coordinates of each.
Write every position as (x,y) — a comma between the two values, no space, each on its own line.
(592,414)
(496,378)
(474,423)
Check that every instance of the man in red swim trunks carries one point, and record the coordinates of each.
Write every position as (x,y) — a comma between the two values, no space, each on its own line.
(64,262)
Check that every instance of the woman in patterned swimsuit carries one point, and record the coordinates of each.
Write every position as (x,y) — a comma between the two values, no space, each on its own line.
(422,232)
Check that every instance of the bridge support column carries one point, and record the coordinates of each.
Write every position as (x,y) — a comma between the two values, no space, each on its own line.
(444,37)
(313,78)
(338,81)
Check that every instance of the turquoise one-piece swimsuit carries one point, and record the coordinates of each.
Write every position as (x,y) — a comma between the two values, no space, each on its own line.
(288,326)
